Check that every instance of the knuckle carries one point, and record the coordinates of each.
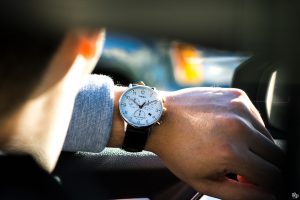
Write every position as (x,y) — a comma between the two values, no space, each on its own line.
(228,152)
(232,122)
(237,104)
(237,92)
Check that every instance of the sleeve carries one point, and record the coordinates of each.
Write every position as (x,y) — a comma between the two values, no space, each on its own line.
(91,121)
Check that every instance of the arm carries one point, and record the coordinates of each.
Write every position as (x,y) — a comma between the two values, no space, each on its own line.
(208,133)
(91,122)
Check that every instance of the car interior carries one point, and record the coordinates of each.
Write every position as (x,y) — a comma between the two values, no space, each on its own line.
(261,33)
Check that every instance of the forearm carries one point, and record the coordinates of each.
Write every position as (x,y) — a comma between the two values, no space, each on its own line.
(91,122)
(96,120)
(205,134)
(117,131)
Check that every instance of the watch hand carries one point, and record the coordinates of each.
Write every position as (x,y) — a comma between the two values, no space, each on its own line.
(150,102)
(134,102)
(141,106)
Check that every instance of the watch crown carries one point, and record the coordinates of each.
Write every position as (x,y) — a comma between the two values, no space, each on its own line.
(140,83)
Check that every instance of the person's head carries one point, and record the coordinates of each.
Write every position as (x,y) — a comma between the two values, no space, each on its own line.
(39,79)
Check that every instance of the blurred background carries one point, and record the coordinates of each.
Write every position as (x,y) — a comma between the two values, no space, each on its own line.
(166,64)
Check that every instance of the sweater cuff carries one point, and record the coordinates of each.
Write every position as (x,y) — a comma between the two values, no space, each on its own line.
(91,121)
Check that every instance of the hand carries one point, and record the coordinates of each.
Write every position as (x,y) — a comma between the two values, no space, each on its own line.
(207,133)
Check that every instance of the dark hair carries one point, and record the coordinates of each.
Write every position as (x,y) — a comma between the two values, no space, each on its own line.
(23,61)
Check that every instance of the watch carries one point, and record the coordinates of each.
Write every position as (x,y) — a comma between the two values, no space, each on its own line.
(141,107)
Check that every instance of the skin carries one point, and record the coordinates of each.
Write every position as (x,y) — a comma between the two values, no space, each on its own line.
(206,132)
(40,125)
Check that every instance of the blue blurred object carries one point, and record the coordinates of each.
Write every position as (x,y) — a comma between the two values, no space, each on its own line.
(131,58)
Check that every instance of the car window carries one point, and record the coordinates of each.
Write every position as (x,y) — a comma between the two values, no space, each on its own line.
(166,64)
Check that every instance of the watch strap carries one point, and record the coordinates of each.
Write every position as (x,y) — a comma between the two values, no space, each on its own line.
(135,138)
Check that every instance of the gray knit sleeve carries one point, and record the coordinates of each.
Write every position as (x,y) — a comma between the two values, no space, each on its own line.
(91,122)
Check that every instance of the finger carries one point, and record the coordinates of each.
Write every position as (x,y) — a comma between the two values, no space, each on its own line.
(253,122)
(242,179)
(255,118)
(259,171)
(254,111)
(228,189)
(266,149)
(250,112)
(258,122)
(261,127)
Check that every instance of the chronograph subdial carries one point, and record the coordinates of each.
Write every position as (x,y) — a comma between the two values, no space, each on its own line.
(139,114)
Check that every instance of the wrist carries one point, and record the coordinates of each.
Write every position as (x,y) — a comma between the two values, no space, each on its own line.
(157,139)
(117,132)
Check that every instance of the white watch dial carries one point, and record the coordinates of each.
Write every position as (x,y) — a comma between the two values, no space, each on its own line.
(141,106)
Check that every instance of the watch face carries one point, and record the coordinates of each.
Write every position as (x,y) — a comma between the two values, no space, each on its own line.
(141,106)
